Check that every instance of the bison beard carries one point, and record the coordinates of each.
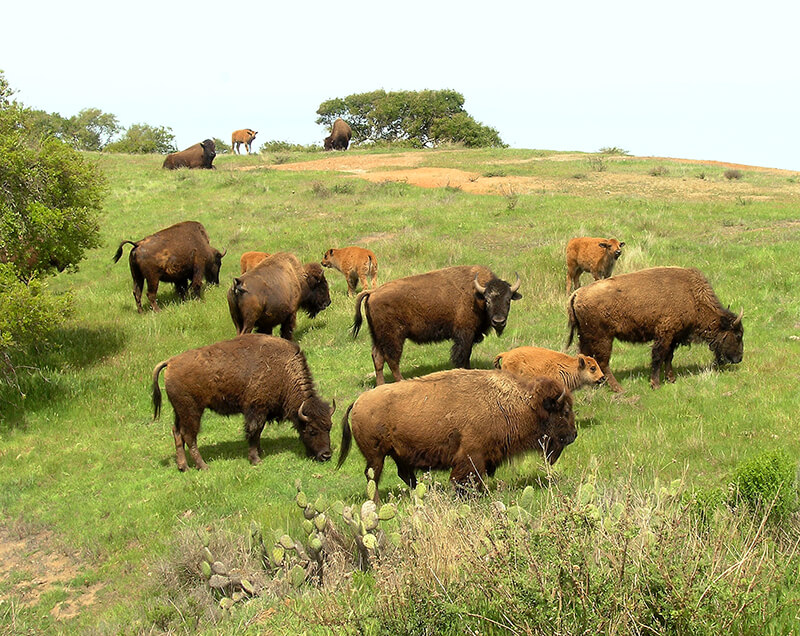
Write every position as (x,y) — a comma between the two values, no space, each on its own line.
(470,421)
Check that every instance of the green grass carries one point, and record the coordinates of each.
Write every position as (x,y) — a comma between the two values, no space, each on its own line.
(81,458)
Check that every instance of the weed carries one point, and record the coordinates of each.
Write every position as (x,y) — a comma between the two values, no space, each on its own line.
(658,171)
(767,483)
(320,190)
(733,174)
(511,197)
(495,172)
(597,163)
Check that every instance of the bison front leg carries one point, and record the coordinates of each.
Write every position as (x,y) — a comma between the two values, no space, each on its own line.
(661,357)
(467,472)
(287,327)
(254,425)
(461,350)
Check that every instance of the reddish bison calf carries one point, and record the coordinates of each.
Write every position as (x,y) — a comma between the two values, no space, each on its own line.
(263,377)
(178,254)
(670,306)
(574,373)
(270,294)
(198,156)
(468,420)
(595,255)
(244,136)
(250,259)
(458,303)
(356,263)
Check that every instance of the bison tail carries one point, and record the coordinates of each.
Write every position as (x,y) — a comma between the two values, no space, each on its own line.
(118,255)
(572,320)
(157,389)
(347,438)
(358,320)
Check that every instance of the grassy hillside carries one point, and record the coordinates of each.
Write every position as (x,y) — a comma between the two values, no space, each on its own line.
(97,517)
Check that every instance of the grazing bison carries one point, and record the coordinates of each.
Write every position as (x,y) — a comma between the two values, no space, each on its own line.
(244,136)
(468,420)
(250,259)
(198,156)
(179,254)
(595,255)
(339,139)
(270,294)
(457,303)
(574,373)
(670,306)
(263,377)
(356,263)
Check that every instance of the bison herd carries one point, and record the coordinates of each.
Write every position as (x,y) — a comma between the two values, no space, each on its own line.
(466,420)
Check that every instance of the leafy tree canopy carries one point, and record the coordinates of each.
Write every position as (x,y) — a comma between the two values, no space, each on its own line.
(419,118)
(144,139)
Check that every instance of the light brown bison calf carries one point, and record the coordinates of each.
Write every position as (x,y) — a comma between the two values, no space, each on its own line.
(468,420)
(244,136)
(263,377)
(573,372)
(595,255)
(356,263)
(250,259)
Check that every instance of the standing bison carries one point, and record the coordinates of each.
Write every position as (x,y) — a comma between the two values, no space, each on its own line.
(467,420)
(573,372)
(198,156)
(180,254)
(250,259)
(595,255)
(339,139)
(356,263)
(270,294)
(670,306)
(263,377)
(456,303)
(244,136)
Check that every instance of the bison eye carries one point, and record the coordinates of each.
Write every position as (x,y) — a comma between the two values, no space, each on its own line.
(593,369)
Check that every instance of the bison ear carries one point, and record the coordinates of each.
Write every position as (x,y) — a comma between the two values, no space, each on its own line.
(581,362)
(604,245)
(622,244)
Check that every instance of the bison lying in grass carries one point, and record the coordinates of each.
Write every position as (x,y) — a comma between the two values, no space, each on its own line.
(573,372)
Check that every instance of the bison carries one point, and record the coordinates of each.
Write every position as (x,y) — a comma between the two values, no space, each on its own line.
(356,263)
(263,377)
(180,254)
(244,136)
(339,139)
(270,294)
(459,303)
(198,156)
(250,259)
(670,306)
(468,420)
(595,255)
(573,372)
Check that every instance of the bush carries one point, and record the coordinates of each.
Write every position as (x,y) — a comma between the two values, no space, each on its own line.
(613,150)
(658,171)
(767,482)
(732,174)
(142,139)
(285,146)
(221,147)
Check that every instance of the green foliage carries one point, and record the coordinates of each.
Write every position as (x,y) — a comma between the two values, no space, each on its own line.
(767,482)
(613,150)
(144,139)
(221,147)
(421,118)
(90,129)
(285,146)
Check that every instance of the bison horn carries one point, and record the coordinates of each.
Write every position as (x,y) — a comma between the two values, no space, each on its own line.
(478,287)
(223,253)
(516,285)
(333,406)
(562,396)
(739,317)
(302,415)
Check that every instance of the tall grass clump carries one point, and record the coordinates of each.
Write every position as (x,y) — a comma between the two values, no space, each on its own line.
(767,484)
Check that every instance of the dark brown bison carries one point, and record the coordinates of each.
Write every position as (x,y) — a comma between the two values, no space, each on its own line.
(198,156)
(356,263)
(670,306)
(263,377)
(468,420)
(179,254)
(339,139)
(595,255)
(244,136)
(456,303)
(270,294)
(250,259)
(573,372)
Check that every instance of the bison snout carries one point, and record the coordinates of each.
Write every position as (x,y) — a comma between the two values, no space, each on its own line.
(618,253)
(566,440)
(324,456)
(498,323)
(601,381)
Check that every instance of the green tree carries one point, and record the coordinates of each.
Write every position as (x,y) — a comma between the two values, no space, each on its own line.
(91,129)
(419,118)
(144,139)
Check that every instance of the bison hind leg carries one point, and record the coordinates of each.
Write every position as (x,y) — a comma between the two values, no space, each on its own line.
(253,427)
(467,474)
(406,473)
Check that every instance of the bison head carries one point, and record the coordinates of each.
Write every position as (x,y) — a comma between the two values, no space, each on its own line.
(613,247)
(209,152)
(589,371)
(327,259)
(328,143)
(316,295)
(213,266)
(558,425)
(314,426)
(497,295)
(727,344)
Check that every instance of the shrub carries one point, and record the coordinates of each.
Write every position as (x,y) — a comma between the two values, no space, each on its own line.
(285,146)
(613,150)
(658,171)
(767,482)
(221,148)
(732,174)
(142,139)
(597,163)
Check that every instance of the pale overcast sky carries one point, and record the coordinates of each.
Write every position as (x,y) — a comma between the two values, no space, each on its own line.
(695,79)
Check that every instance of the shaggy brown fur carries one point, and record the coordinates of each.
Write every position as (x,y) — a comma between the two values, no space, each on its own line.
(595,255)
(456,303)
(573,372)
(670,306)
(250,259)
(263,377)
(270,294)
(178,254)
(244,136)
(356,263)
(198,156)
(339,139)
(467,420)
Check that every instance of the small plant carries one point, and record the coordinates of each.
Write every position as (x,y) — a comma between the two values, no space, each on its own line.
(281,157)
(597,163)
(732,174)
(512,198)
(701,175)
(613,150)
(495,172)
(658,171)
(580,176)
(767,482)
(319,190)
